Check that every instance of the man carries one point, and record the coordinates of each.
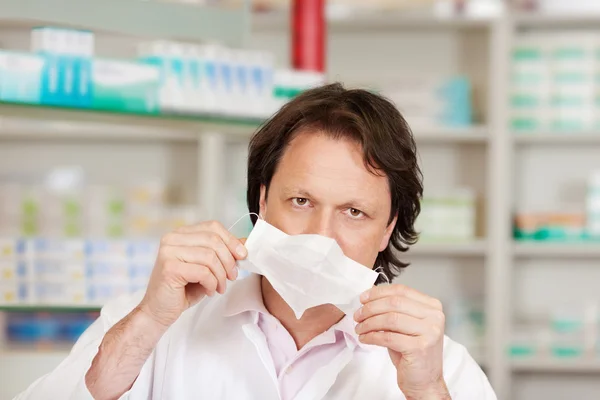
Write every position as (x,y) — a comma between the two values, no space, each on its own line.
(334,162)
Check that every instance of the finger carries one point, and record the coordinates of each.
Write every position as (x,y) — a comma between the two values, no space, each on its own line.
(194,292)
(205,239)
(393,322)
(235,246)
(379,292)
(396,304)
(202,256)
(391,340)
(192,274)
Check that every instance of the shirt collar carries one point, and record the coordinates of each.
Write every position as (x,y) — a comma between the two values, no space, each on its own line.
(347,325)
(246,295)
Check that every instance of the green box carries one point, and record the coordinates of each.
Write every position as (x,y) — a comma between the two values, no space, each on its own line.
(125,86)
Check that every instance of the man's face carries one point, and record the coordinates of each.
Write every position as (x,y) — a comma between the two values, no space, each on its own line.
(321,186)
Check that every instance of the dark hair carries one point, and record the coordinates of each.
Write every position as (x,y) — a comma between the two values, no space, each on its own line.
(366,118)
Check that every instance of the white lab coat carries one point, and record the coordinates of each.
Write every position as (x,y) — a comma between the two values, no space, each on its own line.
(207,355)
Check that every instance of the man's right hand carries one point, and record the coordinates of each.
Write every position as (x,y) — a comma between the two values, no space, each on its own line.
(192,262)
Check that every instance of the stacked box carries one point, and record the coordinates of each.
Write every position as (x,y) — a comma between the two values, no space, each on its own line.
(125,86)
(67,68)
(436,103)
(21,77)
(448,216)
(529,85)
(14,282)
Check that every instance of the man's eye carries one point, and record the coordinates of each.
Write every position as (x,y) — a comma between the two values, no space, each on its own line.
(300,201)
(355,213)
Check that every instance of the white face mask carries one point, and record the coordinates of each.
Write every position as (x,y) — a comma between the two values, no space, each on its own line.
(306,270)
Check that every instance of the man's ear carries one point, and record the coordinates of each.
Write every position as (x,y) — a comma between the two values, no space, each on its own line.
(387,234)
(262,203)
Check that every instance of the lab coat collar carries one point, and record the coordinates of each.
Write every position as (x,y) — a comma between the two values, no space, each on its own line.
(246,296)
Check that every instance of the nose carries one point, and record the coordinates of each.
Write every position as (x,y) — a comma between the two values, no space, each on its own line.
(322,223)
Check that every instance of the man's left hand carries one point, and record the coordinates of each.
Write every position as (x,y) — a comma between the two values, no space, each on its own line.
(410,325)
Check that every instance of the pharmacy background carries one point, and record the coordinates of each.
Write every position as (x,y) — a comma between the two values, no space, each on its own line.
(114,131)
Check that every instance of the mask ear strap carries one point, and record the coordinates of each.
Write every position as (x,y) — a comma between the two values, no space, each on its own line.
(380,272)
(242,217)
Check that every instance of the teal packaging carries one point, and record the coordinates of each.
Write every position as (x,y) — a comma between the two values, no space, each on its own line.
(66,75)
(125,86)
(84,82)
(51,92)
(170,81)
(20,77)
(226,76)
(66,80)
(456,97)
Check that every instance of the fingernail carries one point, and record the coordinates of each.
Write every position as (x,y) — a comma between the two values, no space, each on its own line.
(241,251)
(357,314)
(236,271)
(358,328)
(364,297)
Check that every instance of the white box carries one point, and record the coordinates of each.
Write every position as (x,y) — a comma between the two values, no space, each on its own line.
(58,293)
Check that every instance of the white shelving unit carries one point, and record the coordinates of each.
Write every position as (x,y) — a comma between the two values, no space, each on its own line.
(482,156)
(555,21)
(469,249)
(558,250)
(547,138)
(476,134)
(113,146)
(150,19)
(372,21)
(544,364)
(544,275)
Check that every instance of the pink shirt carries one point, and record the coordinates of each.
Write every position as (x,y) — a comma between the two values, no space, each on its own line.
(294,367)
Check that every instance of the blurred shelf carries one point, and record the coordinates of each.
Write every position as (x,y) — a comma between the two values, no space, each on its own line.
(478,355)
(25,308)
(564,20)
(475,248)
(152,19)
(558,138)
(362,20)
(475,134)
(31,352)
(19,121)
(556,365)
(40,349)
(563,250)
(18,369)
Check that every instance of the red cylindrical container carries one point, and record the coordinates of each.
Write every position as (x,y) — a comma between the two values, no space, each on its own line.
(308,35)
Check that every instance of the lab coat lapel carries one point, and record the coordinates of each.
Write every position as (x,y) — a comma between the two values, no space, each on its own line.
(323,378)
(257,337)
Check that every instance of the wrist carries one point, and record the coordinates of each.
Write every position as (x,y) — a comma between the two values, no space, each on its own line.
(436,391)
(151,320)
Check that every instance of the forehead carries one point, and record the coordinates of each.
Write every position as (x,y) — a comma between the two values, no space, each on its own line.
(332,168)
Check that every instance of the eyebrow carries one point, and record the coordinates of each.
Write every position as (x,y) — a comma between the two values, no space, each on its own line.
(360,205)
(290,191)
